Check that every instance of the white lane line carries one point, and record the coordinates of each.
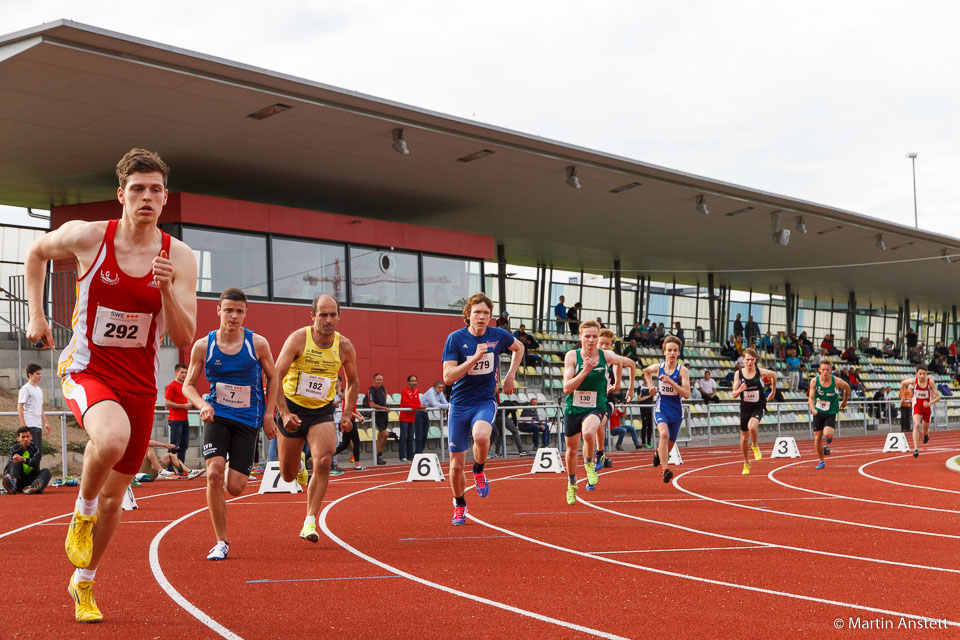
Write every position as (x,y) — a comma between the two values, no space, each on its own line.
(721,583)
(322,524)
(843,497)
(753,546)
(60,524)
(902,484)
(697,500)
(801,515)
(721,536)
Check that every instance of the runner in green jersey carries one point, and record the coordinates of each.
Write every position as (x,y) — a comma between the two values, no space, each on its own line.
(825,404)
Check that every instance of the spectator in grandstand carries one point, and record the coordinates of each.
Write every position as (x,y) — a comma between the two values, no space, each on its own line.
(729,349)
(737,327)
(856,381)
(889,348)
(817,359)
(560,313)
(864,346)
(652,334)
(753,331)
(620,428)
(738,344)
(530,344)
(573,318)
(953,350)
(911,339)
(22,472)
(805,346)
(850,355)
(708,388)
(938,365)
(636,333)
(600,322)
(630,351)
(827,344)
(434,400)
(661,334)
(881,406)
(503,321)
(793,369)
(678,331)
(701,334)
(766,342)
(533,420)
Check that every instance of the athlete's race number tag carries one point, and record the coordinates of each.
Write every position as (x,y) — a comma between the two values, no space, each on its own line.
(823,405)
(752,395)
(232,395)
(483,366)
(312,386)
(120,329)
(667,389)
(922,394)
(585,399)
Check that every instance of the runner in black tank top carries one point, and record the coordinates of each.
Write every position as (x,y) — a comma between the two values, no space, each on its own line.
(748,386)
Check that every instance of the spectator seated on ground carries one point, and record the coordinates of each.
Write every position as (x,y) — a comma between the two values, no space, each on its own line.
(168,465)
(22,473)
(534,420)
(708,388)
(630,351)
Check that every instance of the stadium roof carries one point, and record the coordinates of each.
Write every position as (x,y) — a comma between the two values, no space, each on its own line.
(74,98)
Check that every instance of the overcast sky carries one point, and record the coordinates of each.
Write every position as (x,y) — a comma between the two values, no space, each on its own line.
(815,100)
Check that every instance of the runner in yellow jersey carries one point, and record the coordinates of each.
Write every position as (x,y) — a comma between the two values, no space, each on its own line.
(309,363)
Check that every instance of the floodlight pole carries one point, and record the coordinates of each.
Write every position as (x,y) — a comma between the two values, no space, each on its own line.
(913,163)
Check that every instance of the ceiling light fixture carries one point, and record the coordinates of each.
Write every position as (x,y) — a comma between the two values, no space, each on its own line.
(702,205)
(626,187)
(781,236)
(739,211)
(945,257)
(572,178)
(900,246)
(399,144)
(880,243)
(830,230)
(266,112)
(801,225)
(476,155)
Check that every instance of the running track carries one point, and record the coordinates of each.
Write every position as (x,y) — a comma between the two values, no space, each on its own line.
(872,540)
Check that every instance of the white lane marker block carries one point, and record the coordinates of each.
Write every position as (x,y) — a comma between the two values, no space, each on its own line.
(896,442)
(548,460)
(785,447)
(273,482)
(129,502)
(425,466)
(675,455)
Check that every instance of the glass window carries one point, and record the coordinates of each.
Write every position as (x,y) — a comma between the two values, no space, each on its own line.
(304,270)
(229,260)
(382,277)
(448,282)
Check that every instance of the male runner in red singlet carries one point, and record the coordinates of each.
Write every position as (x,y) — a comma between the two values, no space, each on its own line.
(135,283)
(925,395)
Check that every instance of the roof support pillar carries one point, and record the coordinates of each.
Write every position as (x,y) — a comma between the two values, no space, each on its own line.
(851,319)
(791,307)
(618,295)
(502,277)
(710,305)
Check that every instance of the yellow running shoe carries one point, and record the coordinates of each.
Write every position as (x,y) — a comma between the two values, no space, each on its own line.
(756,453)
(571,494)
(309,532)
(79,542)
(84,606)
(746,469)
(302,478)
(592,476)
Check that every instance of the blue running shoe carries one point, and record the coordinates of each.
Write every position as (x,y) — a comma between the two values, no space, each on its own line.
(459,516)
(820,465)
(483,489)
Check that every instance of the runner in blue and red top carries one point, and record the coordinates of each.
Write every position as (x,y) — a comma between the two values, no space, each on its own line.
(136,283)
(471,362)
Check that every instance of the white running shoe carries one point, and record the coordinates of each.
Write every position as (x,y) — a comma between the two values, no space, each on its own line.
(196,472)
(166,473)
(219,551)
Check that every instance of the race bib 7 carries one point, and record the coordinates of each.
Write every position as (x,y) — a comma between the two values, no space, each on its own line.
(233,395)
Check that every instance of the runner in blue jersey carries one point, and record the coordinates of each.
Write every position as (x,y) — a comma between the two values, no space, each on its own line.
(234,360)
(673,384)
(471,362)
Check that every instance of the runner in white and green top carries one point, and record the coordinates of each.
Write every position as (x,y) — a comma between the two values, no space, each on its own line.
(585,387)
(825,404)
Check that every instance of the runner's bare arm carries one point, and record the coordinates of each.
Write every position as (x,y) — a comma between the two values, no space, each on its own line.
(348,363)
(265,356)
(771,375)
(632,366)
(684,389)
(647,375)
(193,374)
(516,357)
(811,394)
(176,278)
(572,379)
(846,391)
(76,238)
(292,349)
(735,391)
(452,371)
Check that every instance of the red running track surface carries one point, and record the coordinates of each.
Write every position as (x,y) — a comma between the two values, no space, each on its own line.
(872,541)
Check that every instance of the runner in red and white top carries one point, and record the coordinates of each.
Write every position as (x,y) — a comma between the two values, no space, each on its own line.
(925,395)
(135,283)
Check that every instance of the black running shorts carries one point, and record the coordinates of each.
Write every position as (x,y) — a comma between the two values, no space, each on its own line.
(746,413)
(224,437)
(573,422)
(822,420)
(308,418)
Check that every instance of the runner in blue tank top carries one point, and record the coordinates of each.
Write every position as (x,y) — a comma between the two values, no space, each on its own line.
(234,360)
(471,362)
(673,384)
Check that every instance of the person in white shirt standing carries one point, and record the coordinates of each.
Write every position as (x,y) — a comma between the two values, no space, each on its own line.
(30,404)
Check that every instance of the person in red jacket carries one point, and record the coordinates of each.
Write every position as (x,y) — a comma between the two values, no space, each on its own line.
(409,399)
